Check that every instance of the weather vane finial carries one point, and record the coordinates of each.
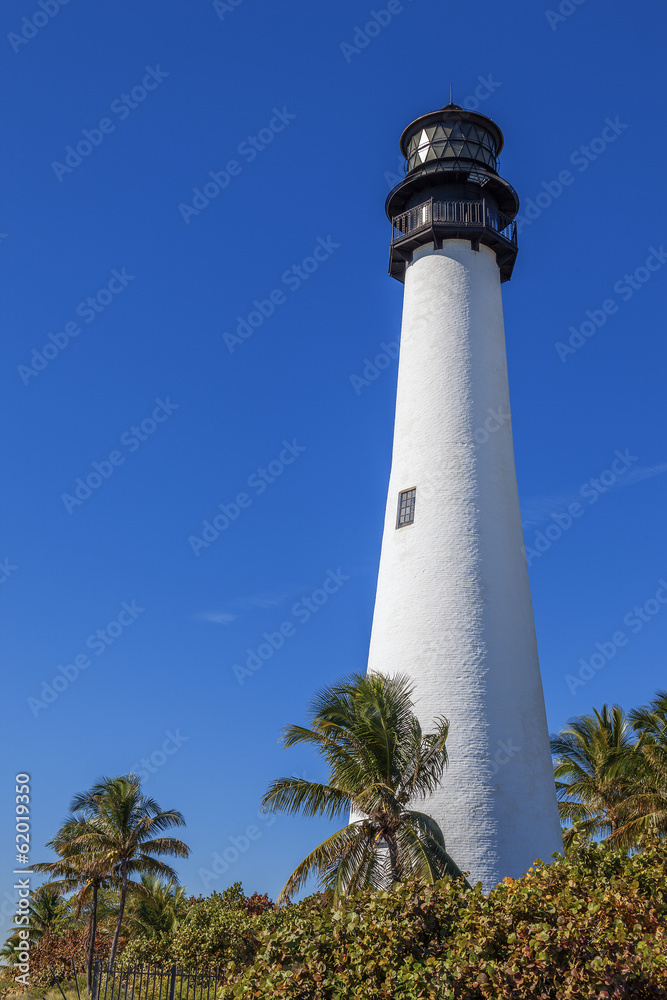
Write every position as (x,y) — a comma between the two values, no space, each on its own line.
(451,99)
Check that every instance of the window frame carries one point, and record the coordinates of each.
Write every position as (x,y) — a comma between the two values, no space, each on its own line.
(413,505)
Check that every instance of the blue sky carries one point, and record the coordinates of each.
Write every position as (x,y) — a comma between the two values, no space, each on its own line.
(132,280)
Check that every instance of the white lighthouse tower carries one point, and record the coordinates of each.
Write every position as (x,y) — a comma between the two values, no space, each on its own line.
(453,608)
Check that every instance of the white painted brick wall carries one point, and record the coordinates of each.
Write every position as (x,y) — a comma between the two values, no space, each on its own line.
(453,606)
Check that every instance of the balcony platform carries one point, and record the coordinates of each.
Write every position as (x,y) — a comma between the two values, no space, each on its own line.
(435,221)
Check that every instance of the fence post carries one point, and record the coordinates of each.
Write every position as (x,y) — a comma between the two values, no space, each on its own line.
(55,980)
(76,979)
(96,980)
(172,985)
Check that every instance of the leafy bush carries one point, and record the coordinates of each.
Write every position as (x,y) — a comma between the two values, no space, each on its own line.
(214,931)
(593,925)
(56,952)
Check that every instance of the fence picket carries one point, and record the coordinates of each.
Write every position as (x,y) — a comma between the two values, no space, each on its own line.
(139,982)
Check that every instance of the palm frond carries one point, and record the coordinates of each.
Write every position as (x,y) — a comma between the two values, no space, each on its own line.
(379,760)
(325,859)
(432,846)
(311,798)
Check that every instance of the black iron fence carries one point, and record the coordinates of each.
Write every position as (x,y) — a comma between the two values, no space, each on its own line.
(148,982)
(461,214)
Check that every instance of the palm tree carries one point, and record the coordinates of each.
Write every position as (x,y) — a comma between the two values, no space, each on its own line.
(117,825)
(158,913)
(651,720)
(77,871)
(647,805)
(8,952)
(48,912)
(596,768)
(380,762)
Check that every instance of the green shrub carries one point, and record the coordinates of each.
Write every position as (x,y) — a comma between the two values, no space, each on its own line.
(214,931)
(593,925)
(56,952)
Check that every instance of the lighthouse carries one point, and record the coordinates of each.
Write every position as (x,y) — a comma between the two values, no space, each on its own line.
(453,609)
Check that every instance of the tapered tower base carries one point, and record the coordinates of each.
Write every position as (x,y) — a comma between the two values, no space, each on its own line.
(453,608)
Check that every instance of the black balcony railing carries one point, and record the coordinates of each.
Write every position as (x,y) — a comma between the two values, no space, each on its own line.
(457,214)
(434,221)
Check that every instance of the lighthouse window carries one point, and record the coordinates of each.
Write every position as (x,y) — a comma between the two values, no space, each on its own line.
(406,508)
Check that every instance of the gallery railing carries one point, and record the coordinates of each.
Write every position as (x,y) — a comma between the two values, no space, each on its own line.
(457,214)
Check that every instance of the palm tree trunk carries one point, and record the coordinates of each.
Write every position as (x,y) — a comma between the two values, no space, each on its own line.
(91,946)
(393,859)
(121,910)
